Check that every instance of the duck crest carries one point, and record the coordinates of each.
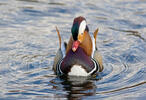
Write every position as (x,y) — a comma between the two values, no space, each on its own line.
(78,20)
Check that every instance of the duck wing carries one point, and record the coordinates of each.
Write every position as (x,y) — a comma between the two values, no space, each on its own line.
(95,53)
(61,51)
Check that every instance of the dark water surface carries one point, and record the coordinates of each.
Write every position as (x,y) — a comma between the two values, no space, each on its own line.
(28,43)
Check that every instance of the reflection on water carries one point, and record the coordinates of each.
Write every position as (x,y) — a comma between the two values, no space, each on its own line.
(128,87)
(78,87)
(28,43)
(131,32)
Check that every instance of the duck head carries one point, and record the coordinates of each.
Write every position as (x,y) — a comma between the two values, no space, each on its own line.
(78,31)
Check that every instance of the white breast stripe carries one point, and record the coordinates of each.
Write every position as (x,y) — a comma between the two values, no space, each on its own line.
(93,45)
(78,69)
(96,65)
(58,66)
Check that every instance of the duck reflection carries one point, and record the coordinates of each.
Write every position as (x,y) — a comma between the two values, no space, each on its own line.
(78,87)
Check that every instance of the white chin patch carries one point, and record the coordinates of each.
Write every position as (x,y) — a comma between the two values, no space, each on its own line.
(77,70)
(82,27)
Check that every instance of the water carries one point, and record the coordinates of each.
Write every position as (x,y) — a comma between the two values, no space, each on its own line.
(28,43)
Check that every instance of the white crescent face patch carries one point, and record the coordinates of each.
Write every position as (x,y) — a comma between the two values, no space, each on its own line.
(82,27)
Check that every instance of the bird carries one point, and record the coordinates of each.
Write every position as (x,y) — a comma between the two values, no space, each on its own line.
(80,56)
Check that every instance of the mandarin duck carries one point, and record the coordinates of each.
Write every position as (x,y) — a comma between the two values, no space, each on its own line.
(78,57)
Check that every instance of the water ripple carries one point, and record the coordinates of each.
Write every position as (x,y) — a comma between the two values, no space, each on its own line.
(28,43)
